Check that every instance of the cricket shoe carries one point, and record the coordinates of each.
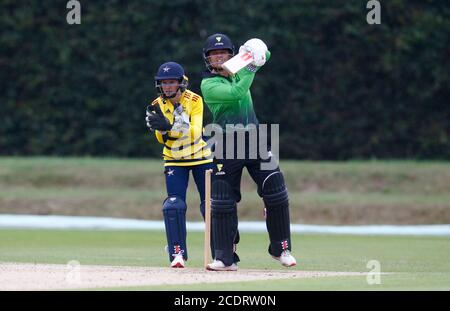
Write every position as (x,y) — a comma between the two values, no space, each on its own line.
(286,259)
(218,265)
(178,261)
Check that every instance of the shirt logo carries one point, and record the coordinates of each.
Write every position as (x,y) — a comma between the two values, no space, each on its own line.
(219,170)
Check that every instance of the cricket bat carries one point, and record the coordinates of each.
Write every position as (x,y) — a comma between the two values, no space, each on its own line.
(207,245)
(237,62)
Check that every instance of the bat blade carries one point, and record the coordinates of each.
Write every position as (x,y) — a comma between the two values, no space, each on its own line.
(238,62)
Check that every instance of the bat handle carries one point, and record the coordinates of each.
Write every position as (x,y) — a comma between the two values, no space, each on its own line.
(207,250)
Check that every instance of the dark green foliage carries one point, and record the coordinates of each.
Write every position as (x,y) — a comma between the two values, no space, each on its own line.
(348,89)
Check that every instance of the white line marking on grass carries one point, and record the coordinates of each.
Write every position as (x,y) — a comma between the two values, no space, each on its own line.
(107,223)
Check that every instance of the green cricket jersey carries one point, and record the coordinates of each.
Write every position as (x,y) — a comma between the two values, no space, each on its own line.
(229,99)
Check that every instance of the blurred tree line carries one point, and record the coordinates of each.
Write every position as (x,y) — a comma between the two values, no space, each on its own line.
(338,87)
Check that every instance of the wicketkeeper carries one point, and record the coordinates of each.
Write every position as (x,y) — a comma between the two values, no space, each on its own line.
(229,99)
(176,117)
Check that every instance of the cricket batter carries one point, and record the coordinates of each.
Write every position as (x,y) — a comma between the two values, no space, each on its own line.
(229,99)
(176,117)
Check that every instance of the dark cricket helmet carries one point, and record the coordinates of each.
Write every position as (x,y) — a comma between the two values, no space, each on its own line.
(216,41)
(170,71)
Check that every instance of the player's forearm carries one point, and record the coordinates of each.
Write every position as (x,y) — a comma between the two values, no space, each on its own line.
(159,137)
(162,137)
(241,87)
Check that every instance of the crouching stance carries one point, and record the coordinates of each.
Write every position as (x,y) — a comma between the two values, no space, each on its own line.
(176,117)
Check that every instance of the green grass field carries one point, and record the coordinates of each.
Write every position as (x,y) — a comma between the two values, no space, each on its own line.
(413,263)
(353,192)
(332,193)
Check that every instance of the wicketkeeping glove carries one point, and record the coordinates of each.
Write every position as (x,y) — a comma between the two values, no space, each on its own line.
(156,120)
(181,120)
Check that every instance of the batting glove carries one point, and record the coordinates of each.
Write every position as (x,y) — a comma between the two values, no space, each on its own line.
(257,48)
